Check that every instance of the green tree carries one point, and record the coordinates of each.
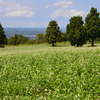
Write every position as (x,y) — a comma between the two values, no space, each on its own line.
(21,39)
(3,39)
(75,31)
(92,24)
(17,39)
(53,33)
(63,35)
(32,41)
(40,36)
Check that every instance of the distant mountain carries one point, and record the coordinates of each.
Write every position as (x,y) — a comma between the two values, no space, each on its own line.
(27,32)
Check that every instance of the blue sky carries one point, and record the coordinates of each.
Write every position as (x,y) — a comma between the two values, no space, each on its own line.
(38,13)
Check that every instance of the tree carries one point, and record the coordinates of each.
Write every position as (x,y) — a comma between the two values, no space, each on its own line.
(32,41)
(53,33)
(63,35)
(75,31)
(40,36)
(21,39)
(17,39)
(3,39)
(92,25)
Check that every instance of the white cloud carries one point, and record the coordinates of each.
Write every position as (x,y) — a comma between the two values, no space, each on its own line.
(47,6)
(19,10)
(68,13)
(23,13)
(2,2)
(16,10)
(63,4)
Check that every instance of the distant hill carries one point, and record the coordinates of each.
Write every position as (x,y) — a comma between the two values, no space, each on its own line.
(27,32)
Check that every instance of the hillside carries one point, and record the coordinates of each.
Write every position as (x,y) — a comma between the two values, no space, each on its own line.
(42,72)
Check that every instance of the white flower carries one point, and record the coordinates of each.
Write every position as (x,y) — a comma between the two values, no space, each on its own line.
(45,89)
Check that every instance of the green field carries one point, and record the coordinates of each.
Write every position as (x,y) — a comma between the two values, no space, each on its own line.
(50,73)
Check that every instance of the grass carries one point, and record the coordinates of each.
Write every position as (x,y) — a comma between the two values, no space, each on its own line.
(50,73)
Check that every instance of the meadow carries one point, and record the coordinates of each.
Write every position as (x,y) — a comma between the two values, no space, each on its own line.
(50,73)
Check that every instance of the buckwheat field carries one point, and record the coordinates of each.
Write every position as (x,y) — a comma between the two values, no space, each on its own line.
(49,73)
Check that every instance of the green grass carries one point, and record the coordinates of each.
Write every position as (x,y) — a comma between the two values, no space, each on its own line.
(50,73)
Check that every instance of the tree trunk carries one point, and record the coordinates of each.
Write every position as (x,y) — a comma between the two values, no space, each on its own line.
(53,44)
(0,45)
(77,45)
(92,42)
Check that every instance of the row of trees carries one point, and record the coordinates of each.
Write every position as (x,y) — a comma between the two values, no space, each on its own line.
(77,32)
(17,39)
(20,39)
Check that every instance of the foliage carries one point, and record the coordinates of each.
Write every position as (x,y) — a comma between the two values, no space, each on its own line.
(92,25)
(17,39)
(63,35)
(35,41)
(45,73)
(75,31)
(40,38)
(3,39)
(53,33)
(32,41)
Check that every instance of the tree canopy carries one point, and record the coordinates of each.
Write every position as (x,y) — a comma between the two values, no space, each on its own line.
(3,39)
(92,24)
(63,35)
(40,36)
(17,39)
(53,33)
(75,31)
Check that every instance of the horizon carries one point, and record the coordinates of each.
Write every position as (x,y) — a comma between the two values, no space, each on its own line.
(27,32)
(29,27)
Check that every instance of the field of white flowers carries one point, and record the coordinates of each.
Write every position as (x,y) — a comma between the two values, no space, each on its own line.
(50,73)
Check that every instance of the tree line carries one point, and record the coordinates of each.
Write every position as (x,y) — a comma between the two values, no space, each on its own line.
(77,33)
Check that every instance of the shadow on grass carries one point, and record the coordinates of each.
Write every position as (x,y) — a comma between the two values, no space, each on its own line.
(89,45)
(93,46)
(2,46)
(68,45)
(61,45)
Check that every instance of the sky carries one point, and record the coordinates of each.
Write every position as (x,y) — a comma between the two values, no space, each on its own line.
(38,13)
